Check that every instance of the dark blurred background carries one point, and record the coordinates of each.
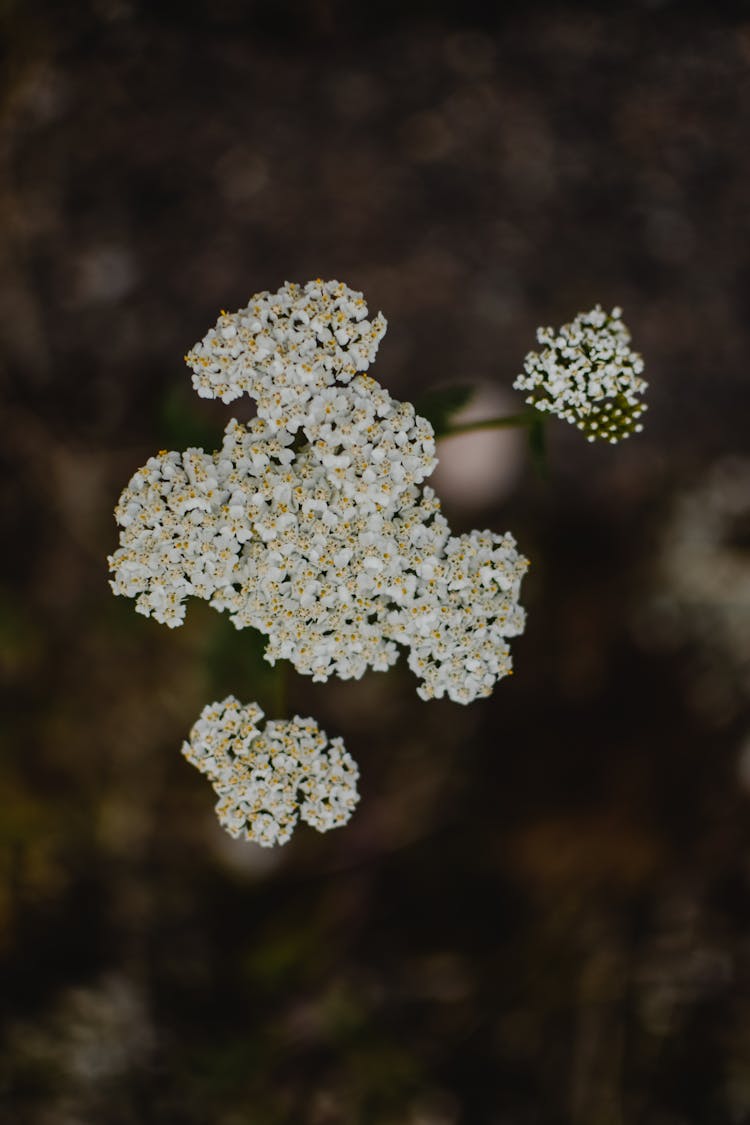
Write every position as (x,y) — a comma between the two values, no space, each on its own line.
(539,912)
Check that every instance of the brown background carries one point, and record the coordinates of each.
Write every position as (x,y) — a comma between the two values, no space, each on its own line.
(539,913)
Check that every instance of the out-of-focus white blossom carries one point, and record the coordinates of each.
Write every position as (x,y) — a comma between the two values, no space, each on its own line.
(95,1038)
(267,780)
(703,592)
(587,374)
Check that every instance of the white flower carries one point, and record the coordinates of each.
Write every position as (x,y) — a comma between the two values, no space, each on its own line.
(267,780)
(372,447)
(171,543)
(334,576)
(324,572)
(327,545)
(464,606)
(704,571)
(184,520)
(588,375)
(284,346)
(298,353)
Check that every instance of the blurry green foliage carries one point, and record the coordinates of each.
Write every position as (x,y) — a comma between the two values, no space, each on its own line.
(538,444)
(20,638)
(183,420)
(440,407)
(232,659)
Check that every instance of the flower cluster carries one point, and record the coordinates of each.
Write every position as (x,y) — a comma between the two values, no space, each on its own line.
(309,524)
(287,346)
(464,607)
(268,780)
(588,375)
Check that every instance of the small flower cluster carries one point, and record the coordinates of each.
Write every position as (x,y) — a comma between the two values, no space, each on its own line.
(464,607)
(588,375)
(268,780)
(183,527)
(287,346)
(309,523)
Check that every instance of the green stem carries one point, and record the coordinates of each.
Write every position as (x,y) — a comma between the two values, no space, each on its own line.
(506,422)
(279,689)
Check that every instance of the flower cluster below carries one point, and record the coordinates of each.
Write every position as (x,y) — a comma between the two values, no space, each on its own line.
(309,524)
(268,780)
(587,374)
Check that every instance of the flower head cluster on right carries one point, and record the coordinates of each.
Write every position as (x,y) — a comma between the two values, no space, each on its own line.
(587,374)
(310,523)
(704,571)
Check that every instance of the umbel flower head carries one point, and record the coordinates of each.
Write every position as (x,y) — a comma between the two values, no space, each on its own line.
(587,374)
(309,524)
(267,780)
(285,346)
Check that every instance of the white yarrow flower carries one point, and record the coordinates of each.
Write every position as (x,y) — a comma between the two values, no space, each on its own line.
(267,780)
(587,374)
(463,608)
(309,524)
(284,346)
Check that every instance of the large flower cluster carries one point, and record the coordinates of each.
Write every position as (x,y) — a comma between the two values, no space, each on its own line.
(587,374)
(309,523)
(268,780)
